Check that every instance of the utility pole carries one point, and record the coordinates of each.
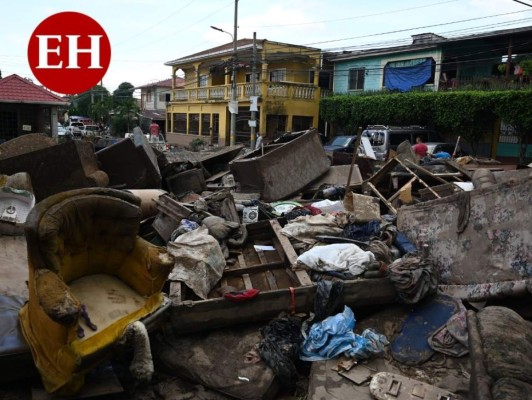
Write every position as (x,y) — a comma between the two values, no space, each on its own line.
(253,83)
(233,83)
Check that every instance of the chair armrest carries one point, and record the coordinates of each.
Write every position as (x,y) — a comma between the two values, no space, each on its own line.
(146,268)
(55,297)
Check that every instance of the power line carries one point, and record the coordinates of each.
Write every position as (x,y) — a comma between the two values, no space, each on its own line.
(522,2)
(419,27)
(154,25)
(354,17)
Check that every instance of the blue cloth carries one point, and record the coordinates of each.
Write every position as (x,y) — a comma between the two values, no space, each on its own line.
(405,78)
(362,232)
(334,336)
(442,155)
(403,244)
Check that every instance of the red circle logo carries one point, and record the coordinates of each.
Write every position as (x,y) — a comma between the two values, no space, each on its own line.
(69,52)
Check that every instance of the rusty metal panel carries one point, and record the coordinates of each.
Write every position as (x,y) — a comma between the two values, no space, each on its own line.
(284,169)
(496,243)
(71,165)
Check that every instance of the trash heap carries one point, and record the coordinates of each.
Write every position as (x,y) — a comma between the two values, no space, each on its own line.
(288,276)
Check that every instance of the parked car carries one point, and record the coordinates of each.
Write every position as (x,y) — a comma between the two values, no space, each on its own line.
(385,138)
(75,128)
(61,130)
(342,144)
(90,130)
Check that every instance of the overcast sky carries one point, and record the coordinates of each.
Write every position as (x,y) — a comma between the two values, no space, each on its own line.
(144,33)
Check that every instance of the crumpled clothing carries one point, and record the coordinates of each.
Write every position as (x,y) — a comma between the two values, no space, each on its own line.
(306,228)
(414,278)
(381,251)
(342,257)
(452,338)
(299,211)
(362,232)
(279,348)
(334,336)
(199,261)
(243,295)
(218,227)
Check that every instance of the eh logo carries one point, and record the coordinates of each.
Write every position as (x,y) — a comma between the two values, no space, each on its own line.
(69,52)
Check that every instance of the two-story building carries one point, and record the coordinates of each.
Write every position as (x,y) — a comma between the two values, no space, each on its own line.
(287,78)
(434,62)
(154,98)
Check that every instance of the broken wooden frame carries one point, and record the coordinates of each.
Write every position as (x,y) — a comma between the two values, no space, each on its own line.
(427,193)
(281,288)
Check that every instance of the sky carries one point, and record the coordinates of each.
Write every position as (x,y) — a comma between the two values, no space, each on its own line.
(144,34)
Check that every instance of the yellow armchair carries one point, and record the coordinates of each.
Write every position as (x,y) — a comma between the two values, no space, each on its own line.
(90,276)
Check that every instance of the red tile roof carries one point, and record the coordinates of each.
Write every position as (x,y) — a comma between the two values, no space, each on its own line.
(15,89)
(179,82)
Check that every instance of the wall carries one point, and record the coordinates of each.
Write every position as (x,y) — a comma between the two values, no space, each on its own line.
(375,69)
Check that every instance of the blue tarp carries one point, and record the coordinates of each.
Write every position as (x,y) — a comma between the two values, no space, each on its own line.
(405,78)
(334,336)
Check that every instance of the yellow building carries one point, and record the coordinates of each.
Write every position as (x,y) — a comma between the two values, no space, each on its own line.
(286,86)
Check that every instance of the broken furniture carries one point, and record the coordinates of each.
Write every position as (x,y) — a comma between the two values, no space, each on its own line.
(264,263)
(280,170)
(394,186)
(54,169)
(482,236)
(16,201)
(90,277)
(128,166)
(500,344)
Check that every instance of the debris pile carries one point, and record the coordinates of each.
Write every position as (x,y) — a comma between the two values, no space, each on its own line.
(261,273)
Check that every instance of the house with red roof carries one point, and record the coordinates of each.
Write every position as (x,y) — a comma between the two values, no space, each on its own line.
(27,108)
(154,98)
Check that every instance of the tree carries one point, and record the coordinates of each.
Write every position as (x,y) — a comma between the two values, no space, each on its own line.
(124,115)
(82,104)
(123,93)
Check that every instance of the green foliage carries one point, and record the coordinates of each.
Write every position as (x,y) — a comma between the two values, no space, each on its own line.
(123,93)
(196,144)
(86,104)
(467,113)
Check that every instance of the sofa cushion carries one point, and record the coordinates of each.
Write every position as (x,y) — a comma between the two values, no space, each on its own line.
(511,389)
(506,343)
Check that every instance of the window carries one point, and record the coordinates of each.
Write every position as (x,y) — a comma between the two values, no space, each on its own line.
(205,123)
(311,75)
(202,80)
(257,77)
(148,96)
(193,124)
(301,123)
(356,78)
(278,75)
(162,97)
(180,122)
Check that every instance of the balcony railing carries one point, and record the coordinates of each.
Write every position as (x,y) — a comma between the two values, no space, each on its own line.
(286,90)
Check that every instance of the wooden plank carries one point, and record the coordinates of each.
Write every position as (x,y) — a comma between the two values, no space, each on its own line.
(426,171)
(262,257)
(285,242)
(291,254)
(396,194)
(175,294)
(380,196)
(419,179)
(218,313)
(247,281)
(216,176)
(223,282)
(271,280)
(253,269)
(241,261)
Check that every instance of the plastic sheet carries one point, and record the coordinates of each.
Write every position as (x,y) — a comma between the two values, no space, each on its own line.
(334,336)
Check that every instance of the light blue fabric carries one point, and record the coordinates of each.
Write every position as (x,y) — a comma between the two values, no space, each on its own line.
(405,78)
(334,336)
(442,155)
